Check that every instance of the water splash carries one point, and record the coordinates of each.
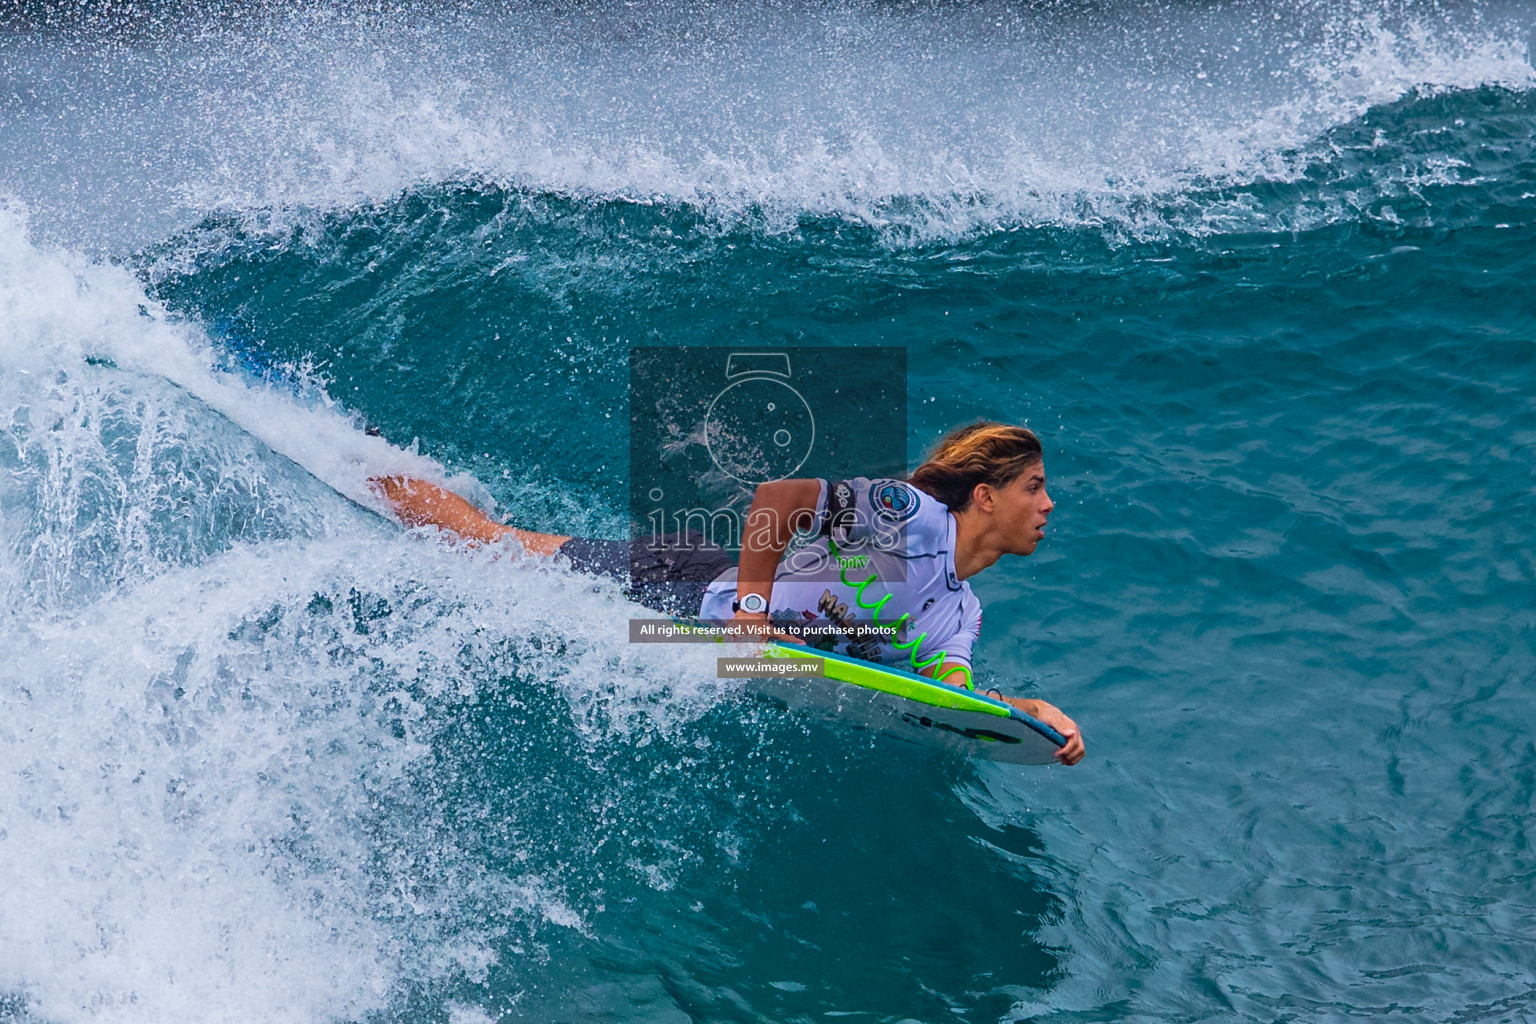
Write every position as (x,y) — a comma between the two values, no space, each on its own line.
(925,122)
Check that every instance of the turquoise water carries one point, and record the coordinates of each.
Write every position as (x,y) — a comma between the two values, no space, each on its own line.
(1259,275)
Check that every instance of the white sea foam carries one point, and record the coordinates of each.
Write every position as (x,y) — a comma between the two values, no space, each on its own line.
(925,121)
(217,789)
(64,313)
(213,804)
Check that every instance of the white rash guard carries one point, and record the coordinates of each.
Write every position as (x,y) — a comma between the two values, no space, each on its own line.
(905,539)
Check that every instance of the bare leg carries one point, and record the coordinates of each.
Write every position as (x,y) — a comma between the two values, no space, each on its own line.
(419,503)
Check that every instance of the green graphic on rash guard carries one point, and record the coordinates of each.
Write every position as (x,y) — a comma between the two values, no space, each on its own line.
(910,646)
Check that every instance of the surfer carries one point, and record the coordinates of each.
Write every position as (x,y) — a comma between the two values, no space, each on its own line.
(881,551)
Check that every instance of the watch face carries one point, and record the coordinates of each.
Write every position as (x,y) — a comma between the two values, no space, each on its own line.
(754,604)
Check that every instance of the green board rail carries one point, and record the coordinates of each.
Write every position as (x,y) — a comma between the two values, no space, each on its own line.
(898,682)
(843,668)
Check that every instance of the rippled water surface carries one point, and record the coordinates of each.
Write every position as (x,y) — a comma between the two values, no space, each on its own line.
(1259,275)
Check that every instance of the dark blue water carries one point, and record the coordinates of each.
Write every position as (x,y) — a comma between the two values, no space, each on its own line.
(1259,276)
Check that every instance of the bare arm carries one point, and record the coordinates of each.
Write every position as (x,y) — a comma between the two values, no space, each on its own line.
(1052,716)
(779,508)
(1039,710)
(419,503)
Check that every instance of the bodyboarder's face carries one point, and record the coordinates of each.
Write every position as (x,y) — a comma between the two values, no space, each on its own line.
(1021,509)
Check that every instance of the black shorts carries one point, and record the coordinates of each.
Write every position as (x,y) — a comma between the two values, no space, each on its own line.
(670,577)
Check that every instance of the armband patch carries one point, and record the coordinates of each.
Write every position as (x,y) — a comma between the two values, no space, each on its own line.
(840,509)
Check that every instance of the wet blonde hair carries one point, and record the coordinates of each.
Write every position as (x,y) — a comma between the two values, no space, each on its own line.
(981,453)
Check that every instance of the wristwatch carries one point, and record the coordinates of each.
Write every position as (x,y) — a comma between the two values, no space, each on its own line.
(752,604)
